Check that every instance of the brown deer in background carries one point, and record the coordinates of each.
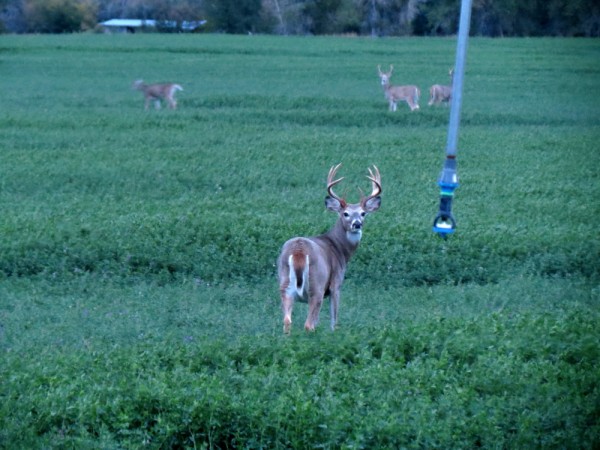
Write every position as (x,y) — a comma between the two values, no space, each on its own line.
(439,93)
(394,94)
(311,268)
(158,92)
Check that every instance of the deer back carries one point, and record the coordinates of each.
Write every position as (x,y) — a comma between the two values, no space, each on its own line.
(402,92)
(439,93)
(305,257)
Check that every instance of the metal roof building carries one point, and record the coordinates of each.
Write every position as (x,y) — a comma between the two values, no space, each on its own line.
(130,25)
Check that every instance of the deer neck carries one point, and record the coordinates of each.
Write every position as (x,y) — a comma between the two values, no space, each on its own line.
(388,91)
(343,243)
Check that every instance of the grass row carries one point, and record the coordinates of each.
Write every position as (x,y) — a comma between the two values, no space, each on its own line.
(509,381)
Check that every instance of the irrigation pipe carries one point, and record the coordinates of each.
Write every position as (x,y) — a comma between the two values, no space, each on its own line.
(444,223)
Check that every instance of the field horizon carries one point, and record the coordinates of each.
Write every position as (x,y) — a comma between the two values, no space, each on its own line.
(139,305)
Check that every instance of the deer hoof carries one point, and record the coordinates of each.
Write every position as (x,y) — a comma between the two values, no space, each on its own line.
(287,326)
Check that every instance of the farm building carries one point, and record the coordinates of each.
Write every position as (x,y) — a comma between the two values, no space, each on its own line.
(132,25)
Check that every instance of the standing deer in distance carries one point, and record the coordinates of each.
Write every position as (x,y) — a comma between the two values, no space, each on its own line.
(393,94)
(439,93)
(158,92)
(311,268)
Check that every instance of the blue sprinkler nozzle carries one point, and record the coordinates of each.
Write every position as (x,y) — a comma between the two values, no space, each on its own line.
(444,223)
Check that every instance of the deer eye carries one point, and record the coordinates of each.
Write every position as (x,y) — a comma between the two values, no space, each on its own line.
(346,214)
(363,214)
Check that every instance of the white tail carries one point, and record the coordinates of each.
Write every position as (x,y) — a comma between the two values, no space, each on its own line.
(311,268)
(394,94)
(439,93)
(158,92)
(298,283)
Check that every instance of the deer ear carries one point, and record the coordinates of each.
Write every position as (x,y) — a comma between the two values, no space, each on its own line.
(333,204)
(373,204)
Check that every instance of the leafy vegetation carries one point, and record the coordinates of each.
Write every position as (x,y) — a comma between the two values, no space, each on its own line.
(499,18)
(138,299)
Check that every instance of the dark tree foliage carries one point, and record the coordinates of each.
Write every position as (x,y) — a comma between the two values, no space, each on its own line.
(493,18)
(235,16)
(322,15)
(58,16)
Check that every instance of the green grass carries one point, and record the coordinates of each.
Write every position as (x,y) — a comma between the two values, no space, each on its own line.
(138,299)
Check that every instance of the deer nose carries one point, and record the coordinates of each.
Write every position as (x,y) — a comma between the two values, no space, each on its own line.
(356,224)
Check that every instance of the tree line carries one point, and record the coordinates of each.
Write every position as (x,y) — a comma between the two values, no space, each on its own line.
(493,18)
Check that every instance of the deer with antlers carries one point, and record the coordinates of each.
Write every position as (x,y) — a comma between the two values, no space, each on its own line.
(311,268)
(439,93)
(158,92)
(394,94)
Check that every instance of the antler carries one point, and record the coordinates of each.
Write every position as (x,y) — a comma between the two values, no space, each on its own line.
(375,178)
(331,183)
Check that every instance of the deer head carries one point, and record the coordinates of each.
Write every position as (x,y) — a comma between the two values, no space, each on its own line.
(385,76)
(352,215)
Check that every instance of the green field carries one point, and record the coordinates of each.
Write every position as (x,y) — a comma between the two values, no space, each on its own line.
(139,303)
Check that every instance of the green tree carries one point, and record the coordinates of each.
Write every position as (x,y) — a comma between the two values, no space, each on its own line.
(437,18)
(235,16)
(322,15)
(573,18)
(59,16)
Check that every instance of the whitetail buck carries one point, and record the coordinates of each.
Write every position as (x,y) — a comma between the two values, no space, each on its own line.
(394,94)
(311,268)
(158,92)
(439,93)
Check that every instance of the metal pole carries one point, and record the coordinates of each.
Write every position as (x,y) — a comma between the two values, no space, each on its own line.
(444,223)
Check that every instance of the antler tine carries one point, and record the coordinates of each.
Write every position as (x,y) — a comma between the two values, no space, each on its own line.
(375,178)
(331,182)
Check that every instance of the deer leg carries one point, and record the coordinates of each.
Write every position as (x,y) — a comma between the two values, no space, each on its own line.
(334,303)
(287,304)
(314,308)
(157,104)
(147,104)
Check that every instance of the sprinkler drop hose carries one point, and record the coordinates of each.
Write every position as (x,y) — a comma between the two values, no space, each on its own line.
(444,222)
